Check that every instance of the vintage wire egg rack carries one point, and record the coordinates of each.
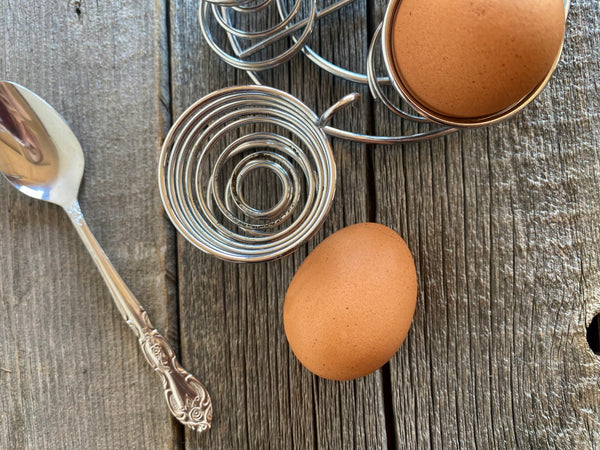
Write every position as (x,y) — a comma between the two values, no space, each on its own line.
(225,136)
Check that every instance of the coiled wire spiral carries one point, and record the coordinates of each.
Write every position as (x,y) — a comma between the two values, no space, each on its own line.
(205,200)
(243,45)
(298,26)
(212,147)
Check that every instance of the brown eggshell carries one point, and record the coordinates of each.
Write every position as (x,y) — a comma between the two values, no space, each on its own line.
(473,58)
(351,302)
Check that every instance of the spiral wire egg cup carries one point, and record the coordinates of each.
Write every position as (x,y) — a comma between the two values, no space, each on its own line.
(214,146)
(212,132)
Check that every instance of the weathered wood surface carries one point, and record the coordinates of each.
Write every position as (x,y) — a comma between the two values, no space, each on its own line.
(71,373)
(502,222)
(463,379)
(233,312)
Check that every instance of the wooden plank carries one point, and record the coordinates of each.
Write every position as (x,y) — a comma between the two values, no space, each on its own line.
(72,375)
(503,226)
(502,221)
(232,332)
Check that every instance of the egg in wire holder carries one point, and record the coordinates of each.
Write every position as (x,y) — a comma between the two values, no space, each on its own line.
(206,202)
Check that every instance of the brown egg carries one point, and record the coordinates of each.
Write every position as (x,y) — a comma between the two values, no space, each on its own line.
(475,58)
(351,302)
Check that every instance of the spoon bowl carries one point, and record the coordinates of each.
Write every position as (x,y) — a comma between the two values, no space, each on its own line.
(39,154)
(41,157)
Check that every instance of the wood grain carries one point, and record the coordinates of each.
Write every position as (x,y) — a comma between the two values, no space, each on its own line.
(502,221)
(503,226)
(231,314)
(72,374)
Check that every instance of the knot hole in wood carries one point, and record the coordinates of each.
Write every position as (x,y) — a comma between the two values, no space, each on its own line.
(593,334)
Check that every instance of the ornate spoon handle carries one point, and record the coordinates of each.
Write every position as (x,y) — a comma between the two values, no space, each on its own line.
(187,398)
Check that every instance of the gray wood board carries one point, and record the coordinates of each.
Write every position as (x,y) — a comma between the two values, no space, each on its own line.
(231,326)
(503,224)
(72,375)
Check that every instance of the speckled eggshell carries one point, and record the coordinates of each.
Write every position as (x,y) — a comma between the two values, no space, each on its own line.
(350,304)
(474,58)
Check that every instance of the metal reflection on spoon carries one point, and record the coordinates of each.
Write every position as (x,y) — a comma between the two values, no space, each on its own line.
(42,158)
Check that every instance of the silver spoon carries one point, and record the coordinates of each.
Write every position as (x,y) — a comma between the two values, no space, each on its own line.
(42,158)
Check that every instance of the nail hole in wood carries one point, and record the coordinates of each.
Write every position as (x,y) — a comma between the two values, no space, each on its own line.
(77,8)
(593,334)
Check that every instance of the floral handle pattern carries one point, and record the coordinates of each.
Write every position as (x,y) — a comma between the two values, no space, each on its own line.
(187,398)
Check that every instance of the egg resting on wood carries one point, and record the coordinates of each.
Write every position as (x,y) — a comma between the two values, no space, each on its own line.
(350,304)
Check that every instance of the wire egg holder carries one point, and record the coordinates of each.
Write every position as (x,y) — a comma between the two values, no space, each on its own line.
(212,148)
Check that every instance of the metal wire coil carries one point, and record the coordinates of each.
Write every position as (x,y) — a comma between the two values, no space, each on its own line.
(213,133)
(220,12)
